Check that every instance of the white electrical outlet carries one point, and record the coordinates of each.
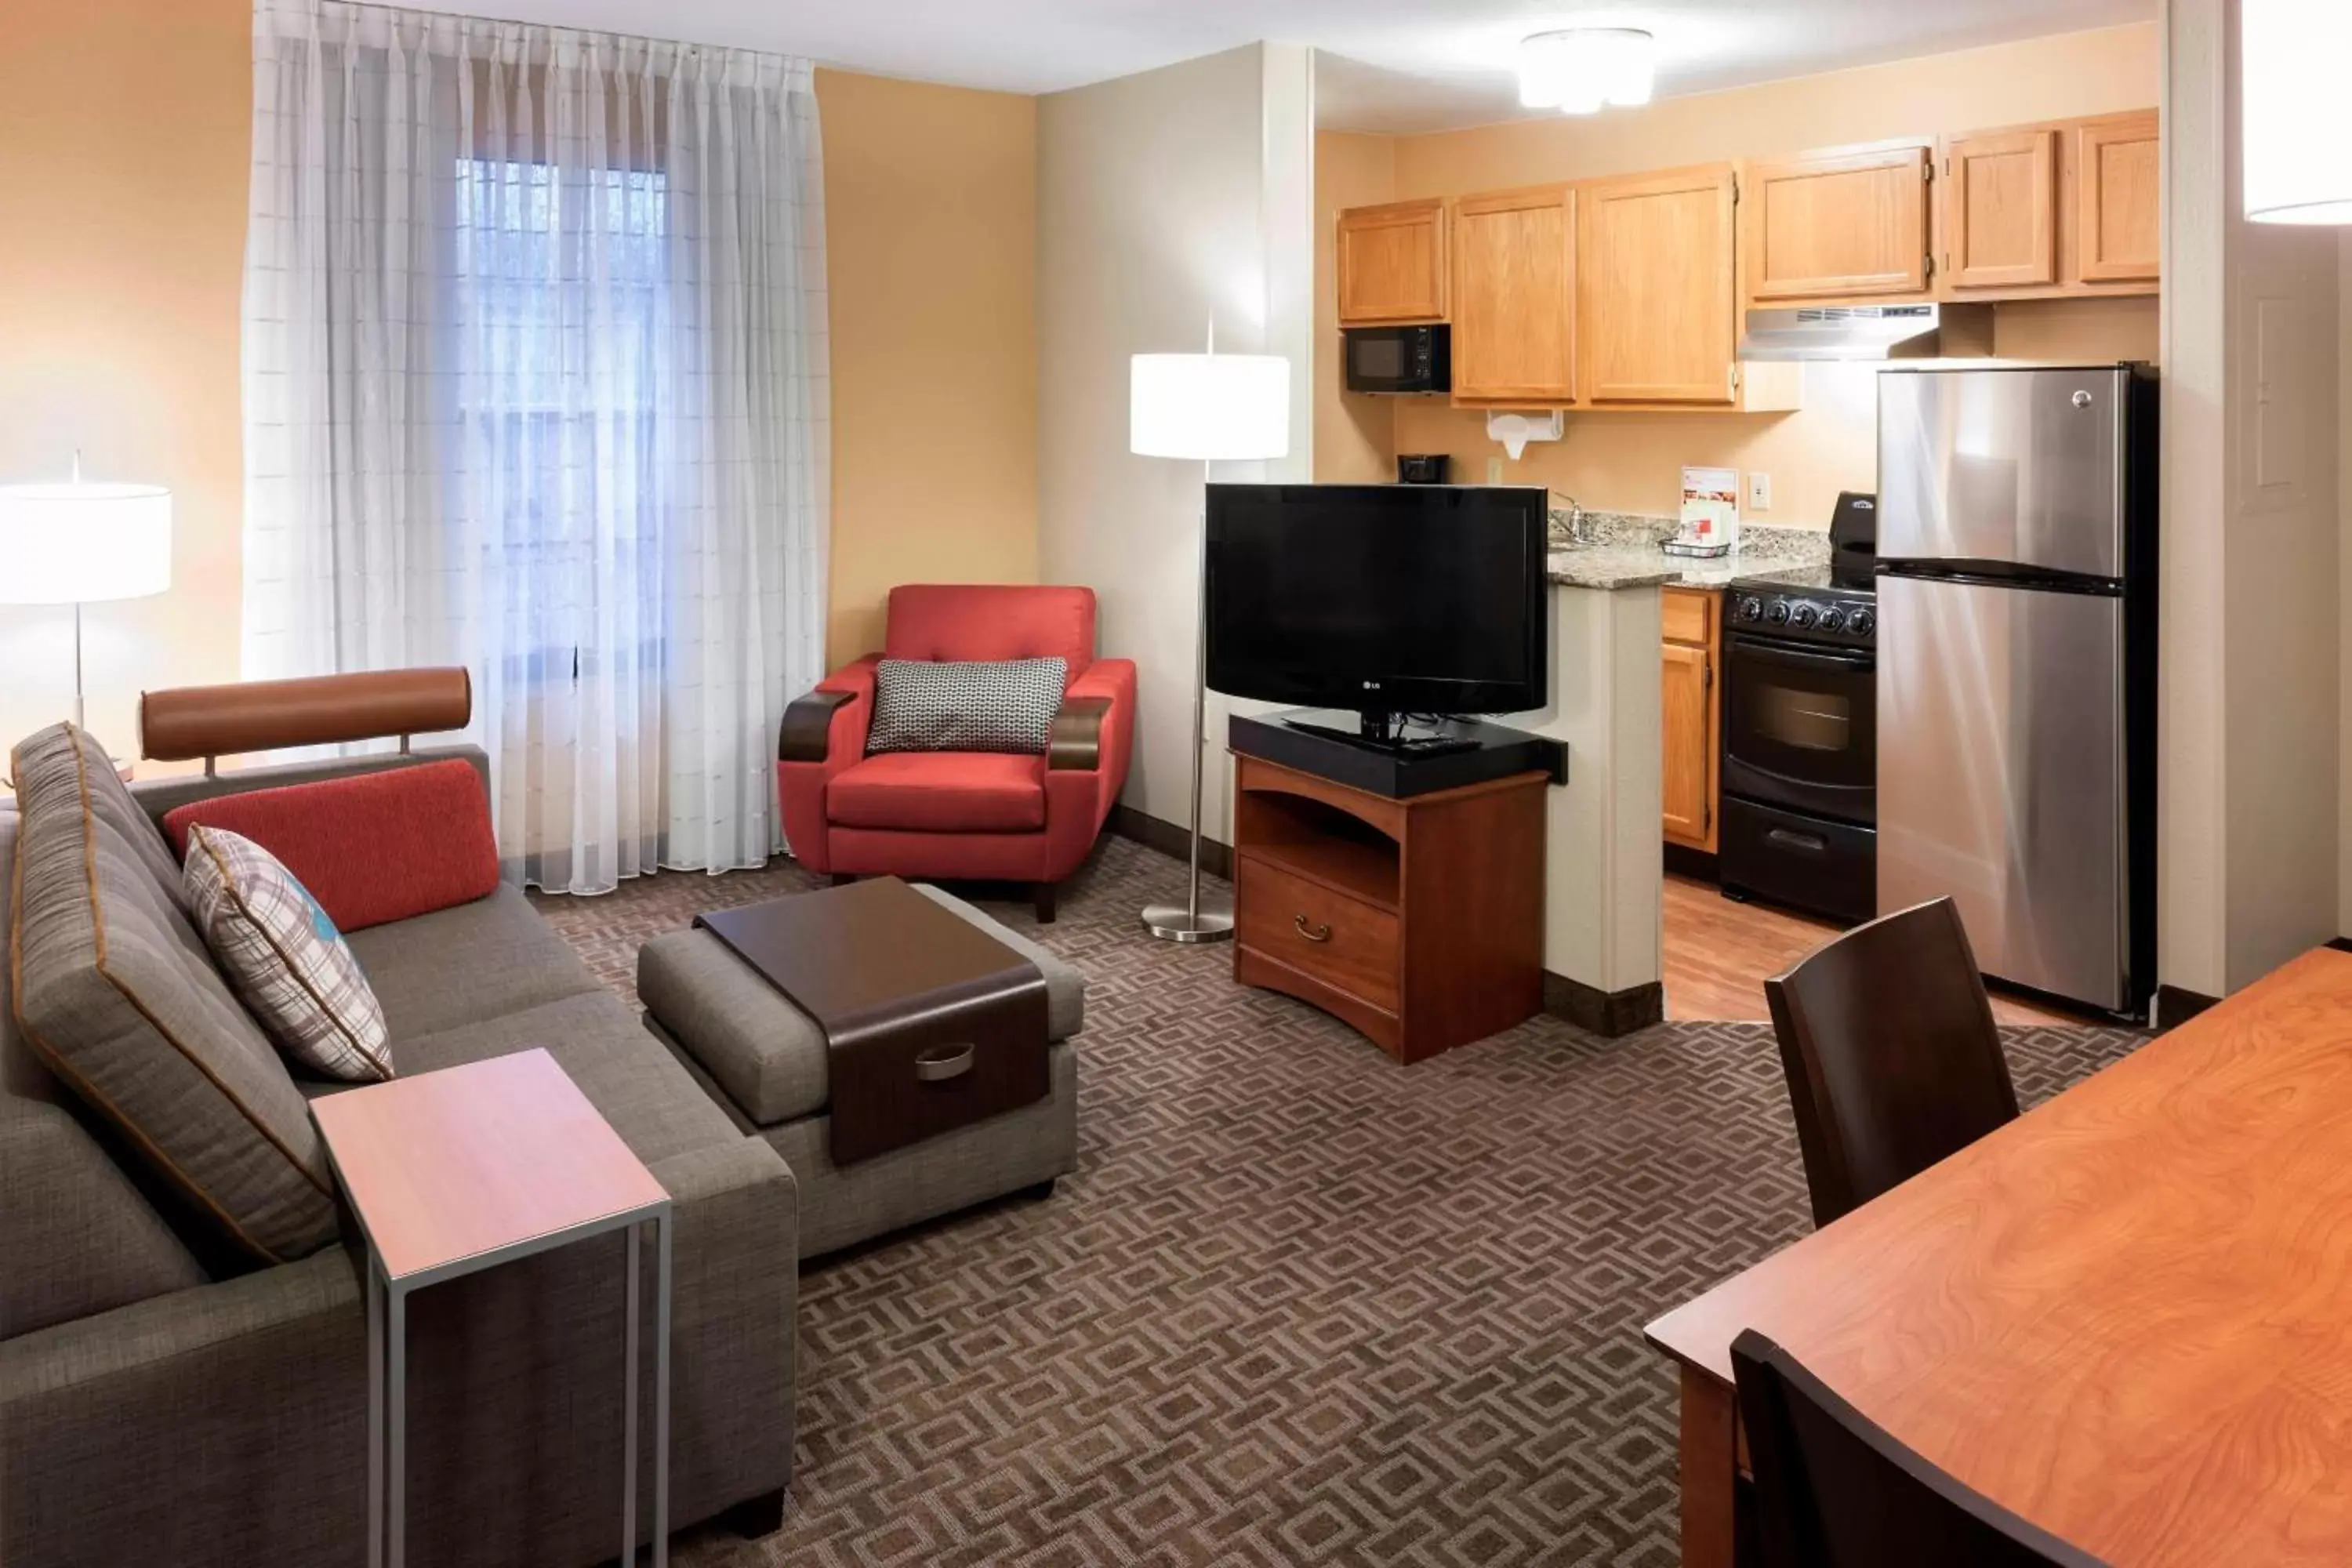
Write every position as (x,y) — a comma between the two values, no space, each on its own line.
(1494,470)
(1759,491)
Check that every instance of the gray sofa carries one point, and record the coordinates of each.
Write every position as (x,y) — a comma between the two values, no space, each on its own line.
(165,1396)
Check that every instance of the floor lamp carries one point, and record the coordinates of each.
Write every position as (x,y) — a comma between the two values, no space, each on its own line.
(78,544)
(1208,407)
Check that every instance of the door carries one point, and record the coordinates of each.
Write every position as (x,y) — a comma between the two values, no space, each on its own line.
(1656,281)
(1514,286)
(1392,263)
(2001,775)
(1799,729)
(2001,210)
(1836,226)
(1688,776)
(2015,467)
(2119,175)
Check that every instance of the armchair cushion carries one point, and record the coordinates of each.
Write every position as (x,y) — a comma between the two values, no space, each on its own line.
(935,621)
(940,792)
(965,705)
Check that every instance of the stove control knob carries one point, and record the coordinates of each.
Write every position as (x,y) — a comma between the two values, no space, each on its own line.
(1779,614)
(1863,624)
(1832,619)
(1804,616)
(1751,608)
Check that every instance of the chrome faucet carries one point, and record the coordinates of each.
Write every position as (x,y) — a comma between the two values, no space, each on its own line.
(1577,532)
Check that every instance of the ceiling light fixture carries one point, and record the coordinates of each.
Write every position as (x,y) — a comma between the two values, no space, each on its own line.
(1577,70)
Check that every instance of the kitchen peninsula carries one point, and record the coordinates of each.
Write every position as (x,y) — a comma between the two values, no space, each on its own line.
(1603,937)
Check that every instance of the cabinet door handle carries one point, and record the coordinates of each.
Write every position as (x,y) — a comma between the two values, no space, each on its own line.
(1312,933)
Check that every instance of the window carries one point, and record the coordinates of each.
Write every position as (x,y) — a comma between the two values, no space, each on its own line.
(562,284)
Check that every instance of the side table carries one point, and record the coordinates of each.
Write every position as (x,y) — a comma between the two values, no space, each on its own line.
(466,1168)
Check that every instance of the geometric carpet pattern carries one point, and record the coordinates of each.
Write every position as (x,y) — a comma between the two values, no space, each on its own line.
(1298,1304)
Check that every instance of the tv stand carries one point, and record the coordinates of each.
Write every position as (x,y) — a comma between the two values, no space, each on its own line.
(1417,920)
(1445,753)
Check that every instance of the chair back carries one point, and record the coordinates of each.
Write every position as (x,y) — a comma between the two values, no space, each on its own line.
(1834,1490)
(941,621)
(1892,1054)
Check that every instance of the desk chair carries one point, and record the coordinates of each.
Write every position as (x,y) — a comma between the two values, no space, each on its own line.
(1834,1491)
(1890,1052)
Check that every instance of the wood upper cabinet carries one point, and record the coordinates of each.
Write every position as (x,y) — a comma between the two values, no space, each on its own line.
(2119,173)
(1836,226)
(1514,297)
(1392,263)
(1657,270)
(2000,210)
(1691,730)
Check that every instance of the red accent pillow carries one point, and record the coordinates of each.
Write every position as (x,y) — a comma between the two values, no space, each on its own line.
(370,848)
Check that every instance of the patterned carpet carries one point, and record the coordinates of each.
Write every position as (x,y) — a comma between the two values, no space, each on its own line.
(1299,1305)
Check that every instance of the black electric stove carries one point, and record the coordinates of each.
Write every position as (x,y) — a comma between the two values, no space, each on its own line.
(1800,731)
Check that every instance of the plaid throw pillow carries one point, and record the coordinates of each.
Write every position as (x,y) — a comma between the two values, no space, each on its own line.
(940,705)
(284,958)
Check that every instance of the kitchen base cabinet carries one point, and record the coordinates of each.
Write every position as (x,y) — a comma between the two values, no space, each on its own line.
(1690,651)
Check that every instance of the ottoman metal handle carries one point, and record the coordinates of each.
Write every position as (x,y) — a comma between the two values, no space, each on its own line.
(941,1063)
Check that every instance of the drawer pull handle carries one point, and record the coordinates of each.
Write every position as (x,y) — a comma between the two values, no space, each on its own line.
(1312,933)
(941,1063)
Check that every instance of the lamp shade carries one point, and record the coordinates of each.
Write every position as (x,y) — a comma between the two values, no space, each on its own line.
(78,543)
(1210,406)
(2294,54)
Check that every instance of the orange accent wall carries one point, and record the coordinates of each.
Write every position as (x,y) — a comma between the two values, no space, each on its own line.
(125,130)
(1633,462)
(123,127)
(931,252)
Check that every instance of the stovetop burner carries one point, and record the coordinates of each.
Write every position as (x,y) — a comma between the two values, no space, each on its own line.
(1837,606)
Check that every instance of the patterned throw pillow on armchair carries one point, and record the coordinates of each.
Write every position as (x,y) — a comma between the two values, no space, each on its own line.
(958,705)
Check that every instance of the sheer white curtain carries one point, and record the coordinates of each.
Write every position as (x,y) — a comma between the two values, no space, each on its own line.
(535,382)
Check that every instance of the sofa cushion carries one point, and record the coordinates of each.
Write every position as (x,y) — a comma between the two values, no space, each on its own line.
(651,1102)
(77,1236)
(940,792)
(454,967)
(111,803)
(424,833)
(285,958)
(768,1056)
(950,705)
(117,994)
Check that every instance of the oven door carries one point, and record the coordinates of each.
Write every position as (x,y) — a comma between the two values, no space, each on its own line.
(1800,729)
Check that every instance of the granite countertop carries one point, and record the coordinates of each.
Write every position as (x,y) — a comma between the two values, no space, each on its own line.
(1623,553)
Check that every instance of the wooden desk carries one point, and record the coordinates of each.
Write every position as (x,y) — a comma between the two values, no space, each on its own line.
(2126,1316)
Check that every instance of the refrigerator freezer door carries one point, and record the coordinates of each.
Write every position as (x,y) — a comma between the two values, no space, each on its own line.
(2018,466)
(2001,775)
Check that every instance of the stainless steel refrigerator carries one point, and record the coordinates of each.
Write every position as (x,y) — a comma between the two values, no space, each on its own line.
(2016,668)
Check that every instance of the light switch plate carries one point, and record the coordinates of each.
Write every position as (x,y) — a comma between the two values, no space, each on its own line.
(1759,491)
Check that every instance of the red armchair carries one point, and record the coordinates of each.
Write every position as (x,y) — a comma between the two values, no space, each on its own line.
(977,816)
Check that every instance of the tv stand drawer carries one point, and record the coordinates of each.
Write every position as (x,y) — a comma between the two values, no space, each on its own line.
(1325,934)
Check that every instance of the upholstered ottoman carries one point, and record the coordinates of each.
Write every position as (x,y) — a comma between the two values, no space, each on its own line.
(765,1062)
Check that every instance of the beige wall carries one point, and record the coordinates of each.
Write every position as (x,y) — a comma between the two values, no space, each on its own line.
(930,218)
(123,179)
(1633,462)
(1161,204)
(123,153)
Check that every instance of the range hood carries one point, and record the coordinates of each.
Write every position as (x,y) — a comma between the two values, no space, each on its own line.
(1844,332)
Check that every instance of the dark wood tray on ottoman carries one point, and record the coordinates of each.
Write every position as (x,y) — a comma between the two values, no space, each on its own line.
(931,1024)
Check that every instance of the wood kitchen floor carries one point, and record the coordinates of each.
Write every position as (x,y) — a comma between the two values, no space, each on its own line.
(1719,953)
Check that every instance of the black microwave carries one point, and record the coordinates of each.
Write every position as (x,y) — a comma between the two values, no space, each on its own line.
(1399,359)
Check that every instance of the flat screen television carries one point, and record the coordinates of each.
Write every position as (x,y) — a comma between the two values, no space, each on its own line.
(1379,599)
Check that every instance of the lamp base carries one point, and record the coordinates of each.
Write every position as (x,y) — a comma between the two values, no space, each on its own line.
(1172,922)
